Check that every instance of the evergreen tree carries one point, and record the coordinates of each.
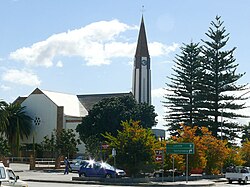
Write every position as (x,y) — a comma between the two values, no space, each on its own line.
(220,79)
(183,99)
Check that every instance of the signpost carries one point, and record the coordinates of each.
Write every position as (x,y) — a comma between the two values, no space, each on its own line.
(180,148)
(114,154)
(159,157)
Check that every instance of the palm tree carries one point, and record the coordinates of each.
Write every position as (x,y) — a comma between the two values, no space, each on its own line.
(19,125)
(3,117)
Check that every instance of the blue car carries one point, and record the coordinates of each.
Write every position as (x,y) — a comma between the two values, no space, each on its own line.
(99,169)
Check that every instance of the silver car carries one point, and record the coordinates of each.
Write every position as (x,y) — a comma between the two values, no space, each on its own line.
(75,166)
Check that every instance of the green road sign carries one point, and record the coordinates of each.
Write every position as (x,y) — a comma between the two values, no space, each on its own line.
(180,148)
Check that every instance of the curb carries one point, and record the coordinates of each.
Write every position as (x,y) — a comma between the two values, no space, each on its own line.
(169,184)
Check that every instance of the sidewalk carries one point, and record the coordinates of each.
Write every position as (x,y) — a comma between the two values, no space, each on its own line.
(22,170)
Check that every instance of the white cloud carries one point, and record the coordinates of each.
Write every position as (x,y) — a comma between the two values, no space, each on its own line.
(23,77)
(158,49)
(59,64)
(5,88)
(97,43)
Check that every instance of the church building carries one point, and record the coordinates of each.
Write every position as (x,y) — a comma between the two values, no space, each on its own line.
(52,110)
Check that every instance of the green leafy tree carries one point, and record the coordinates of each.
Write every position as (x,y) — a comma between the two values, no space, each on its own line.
(3,117)
(183,97)
(220,79)
(61,142)
(134,146)
(93,147)
(107,115)
(5,149)
(19,125)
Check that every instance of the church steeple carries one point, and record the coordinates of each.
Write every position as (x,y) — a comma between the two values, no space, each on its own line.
(141,71)
(142,46)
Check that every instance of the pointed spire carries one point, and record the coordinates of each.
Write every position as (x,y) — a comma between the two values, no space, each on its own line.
(142,46)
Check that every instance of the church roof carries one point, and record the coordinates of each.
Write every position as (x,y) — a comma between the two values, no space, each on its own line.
(74,105)
(142,46)
(89,100)
(70,102)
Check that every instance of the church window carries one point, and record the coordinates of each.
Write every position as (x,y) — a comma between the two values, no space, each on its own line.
(37,121)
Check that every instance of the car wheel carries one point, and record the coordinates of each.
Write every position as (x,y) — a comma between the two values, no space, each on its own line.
(245,181)
(230,181)
(108,176)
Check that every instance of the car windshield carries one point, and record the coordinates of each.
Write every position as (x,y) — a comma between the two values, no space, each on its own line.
(107,166)
(2,173)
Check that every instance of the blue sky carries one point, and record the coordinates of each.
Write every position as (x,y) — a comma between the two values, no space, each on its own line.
(82,47)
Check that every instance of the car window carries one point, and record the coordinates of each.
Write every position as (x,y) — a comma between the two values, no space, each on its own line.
(97,165)
(2,173)
(89,165)
(107,166)
(84,164)
(11,174)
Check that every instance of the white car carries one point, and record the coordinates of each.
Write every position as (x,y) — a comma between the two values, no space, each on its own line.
(8,178)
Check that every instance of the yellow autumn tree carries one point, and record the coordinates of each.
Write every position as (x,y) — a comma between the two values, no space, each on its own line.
(186,134)
(210,153)
(216,151)
(245,152)
(234,157)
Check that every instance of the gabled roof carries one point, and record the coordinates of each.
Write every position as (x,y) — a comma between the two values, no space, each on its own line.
(89,100)
(70,102)
(19,100)
(75,105)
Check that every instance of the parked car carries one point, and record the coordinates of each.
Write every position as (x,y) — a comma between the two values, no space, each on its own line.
(8,178)
(78,158)
(167,173)
(100,169)
(238,173)
(75,166)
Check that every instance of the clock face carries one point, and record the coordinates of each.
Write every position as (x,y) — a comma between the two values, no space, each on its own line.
(144,62)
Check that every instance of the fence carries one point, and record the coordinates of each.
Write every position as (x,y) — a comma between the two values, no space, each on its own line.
(36,163)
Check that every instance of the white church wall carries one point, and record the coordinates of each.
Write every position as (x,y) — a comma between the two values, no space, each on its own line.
(44,114)
(71,123)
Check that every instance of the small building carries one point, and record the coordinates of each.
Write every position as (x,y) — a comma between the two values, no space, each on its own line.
(160,134)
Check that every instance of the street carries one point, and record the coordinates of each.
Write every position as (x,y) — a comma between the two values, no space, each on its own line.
(57,178)
(42,184)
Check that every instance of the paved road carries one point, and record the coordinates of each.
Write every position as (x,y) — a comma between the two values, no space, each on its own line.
(40,178)
(42,184)
(226,184)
